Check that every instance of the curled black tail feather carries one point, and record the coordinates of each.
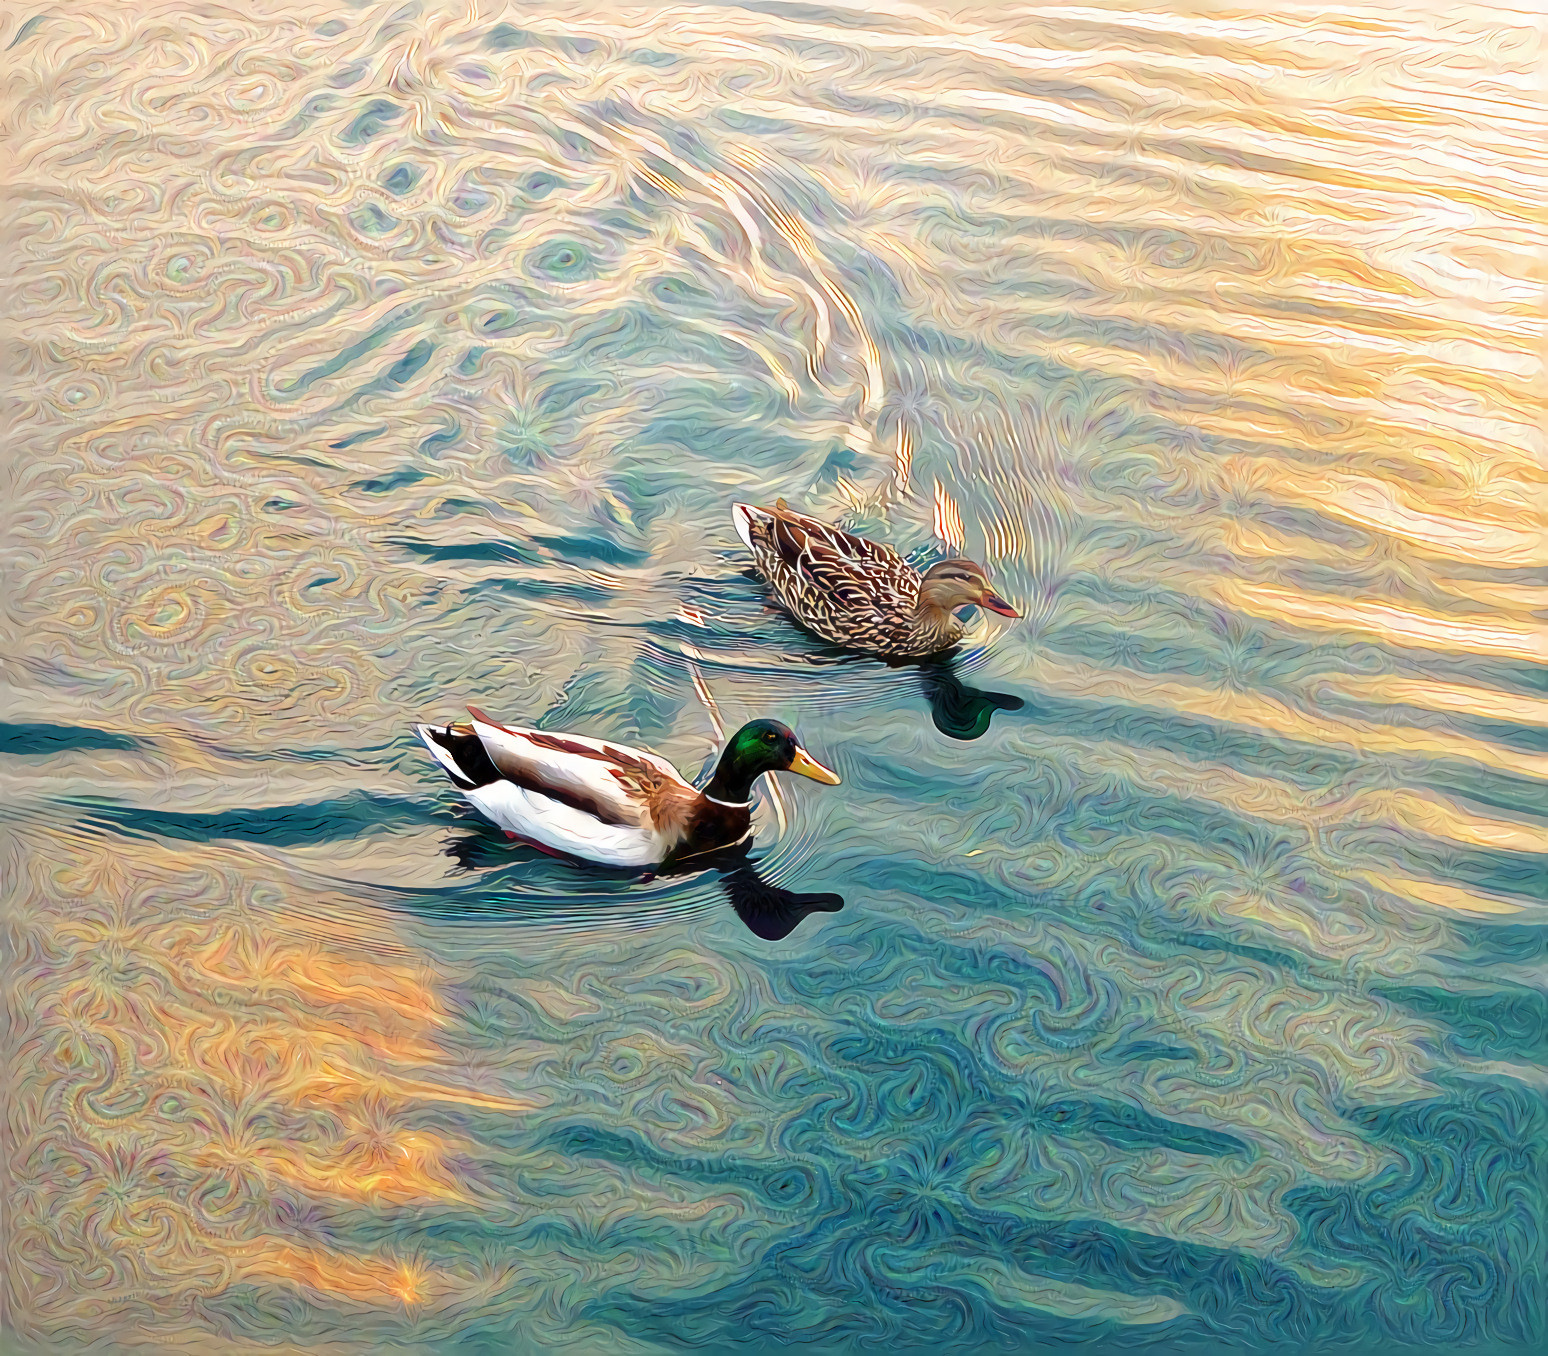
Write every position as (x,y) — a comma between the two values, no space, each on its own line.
(474,766)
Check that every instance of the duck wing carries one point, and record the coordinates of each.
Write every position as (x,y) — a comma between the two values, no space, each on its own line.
(611,783)
(556,826)
(801,540)
(833,581)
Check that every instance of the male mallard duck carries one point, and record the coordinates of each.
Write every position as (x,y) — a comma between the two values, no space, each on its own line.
(857,593)
(607,803)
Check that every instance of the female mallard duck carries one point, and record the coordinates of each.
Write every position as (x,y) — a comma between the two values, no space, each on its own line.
(607,803)
(857,593)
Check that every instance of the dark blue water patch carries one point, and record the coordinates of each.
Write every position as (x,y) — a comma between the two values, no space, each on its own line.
(1126,1126)
(445,437)
(300,459)
(278,826)
(738,121)
(558,397)
(308,114)
(879,1078)
(625,223)
(575,546)
(680,291)
(648,56)
(397,480)
(1495,787)
(1100,811)
(471,360)
(468,200)
(816,978)
(783,1186)
(26,31)
(1153,1051)
(371,220)
(400,179)
(776,1315)
(841,461)
(43,740)
(1508,1022)
(868,1080)
(409,365)
(364,436)
(499,320)
(539,184)
(1448,1228)
(565,261)
(453,506)
(1118,899)
(472,553)
(350,74)
(571,591)
(831,1288)
(1471,1156)
(1261,955)
(374,119)
(508,38)
(1485,944)
(396,320)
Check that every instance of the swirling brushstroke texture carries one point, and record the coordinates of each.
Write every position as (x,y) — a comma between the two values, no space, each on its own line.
(367,360)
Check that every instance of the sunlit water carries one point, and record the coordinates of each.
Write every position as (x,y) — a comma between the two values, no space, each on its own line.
(364,362)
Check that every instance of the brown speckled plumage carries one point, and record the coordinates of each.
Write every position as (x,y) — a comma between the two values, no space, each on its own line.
(858,593)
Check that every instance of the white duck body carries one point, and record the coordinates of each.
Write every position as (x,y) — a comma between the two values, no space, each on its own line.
(597,801)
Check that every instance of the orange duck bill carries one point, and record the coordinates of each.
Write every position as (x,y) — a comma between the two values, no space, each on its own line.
(995,603)
(807,766)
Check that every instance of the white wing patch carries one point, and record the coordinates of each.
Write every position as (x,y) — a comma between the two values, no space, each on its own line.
(742,520)
(534,816)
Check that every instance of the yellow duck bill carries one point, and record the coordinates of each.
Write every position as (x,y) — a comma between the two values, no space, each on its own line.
(807,766)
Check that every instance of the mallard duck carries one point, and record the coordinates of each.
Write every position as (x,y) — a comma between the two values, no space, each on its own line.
(604,802)
(858,593)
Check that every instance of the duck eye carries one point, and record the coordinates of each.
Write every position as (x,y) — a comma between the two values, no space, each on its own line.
(768,736)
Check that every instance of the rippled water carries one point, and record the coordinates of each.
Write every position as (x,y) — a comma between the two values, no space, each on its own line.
(366,361)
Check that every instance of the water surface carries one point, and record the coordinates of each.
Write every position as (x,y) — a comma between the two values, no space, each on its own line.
(368,361)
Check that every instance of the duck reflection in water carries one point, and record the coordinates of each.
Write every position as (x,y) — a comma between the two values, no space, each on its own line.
(959,711)
(768,911)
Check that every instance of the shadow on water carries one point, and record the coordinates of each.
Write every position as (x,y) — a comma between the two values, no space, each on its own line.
(529,885)
(767,910)
(959,711)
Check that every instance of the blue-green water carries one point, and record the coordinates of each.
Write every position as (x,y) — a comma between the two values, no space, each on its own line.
(1187,991)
